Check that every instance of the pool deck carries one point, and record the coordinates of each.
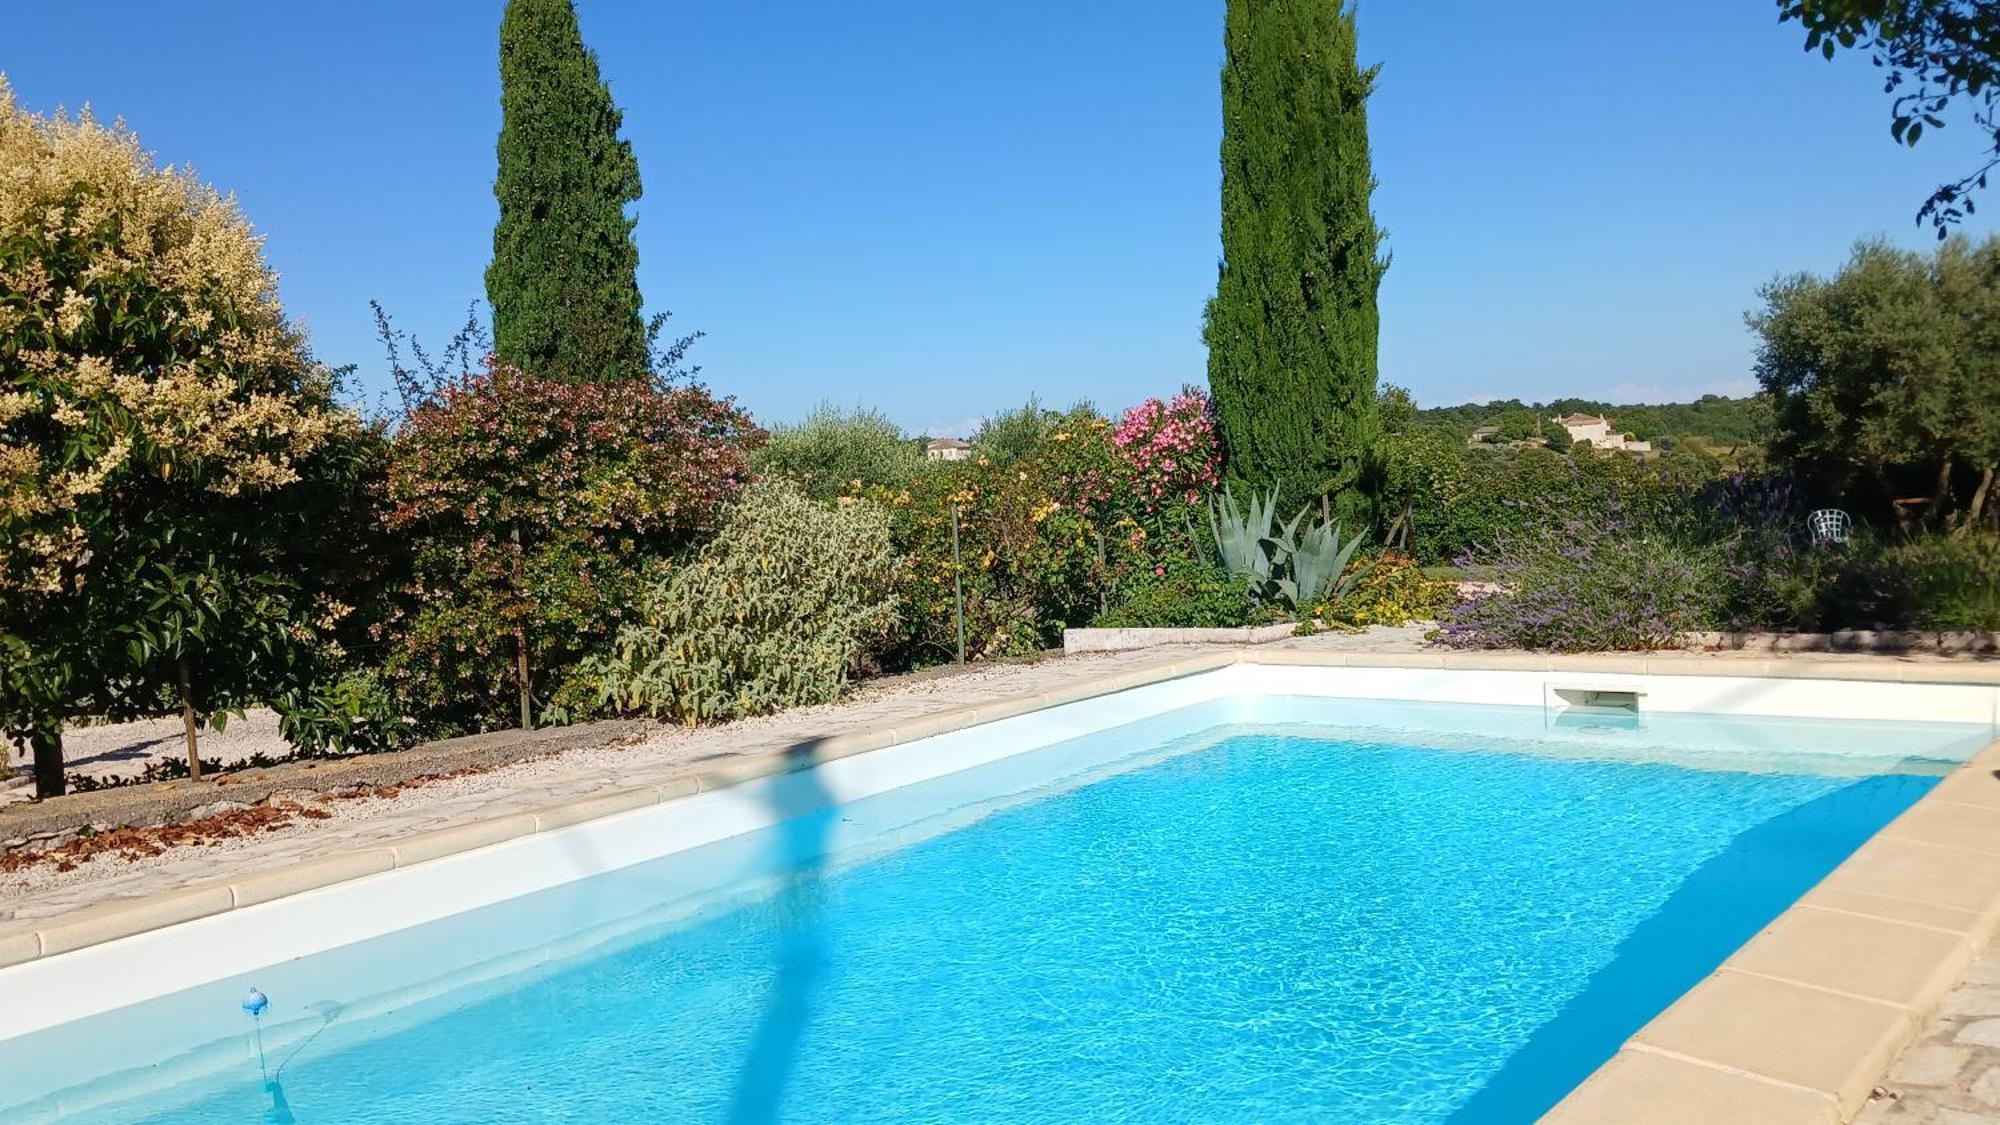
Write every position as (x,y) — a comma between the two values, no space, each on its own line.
(1802,1024)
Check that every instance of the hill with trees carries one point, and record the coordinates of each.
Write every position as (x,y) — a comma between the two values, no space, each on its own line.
(1712,420)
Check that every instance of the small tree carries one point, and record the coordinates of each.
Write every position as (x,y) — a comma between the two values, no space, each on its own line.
(172,462)
(563,282)
(1885,374)
(1292,328)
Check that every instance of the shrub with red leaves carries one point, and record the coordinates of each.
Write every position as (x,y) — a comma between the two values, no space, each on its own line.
(534,510)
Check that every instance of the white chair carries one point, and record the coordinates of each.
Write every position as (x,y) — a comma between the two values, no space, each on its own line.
(1830,525)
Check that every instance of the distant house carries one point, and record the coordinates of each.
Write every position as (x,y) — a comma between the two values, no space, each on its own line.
(947,449)
(1596,429)
(1484,435)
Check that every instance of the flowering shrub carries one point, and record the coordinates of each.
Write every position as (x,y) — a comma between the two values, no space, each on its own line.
(534,510)
(1171,449)
(773,613)
(1044,541)
(1587,582)
(177,479)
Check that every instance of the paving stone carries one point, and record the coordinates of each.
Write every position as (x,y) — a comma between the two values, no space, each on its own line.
(1987,1088)
(1985,1033)
(1930,1065)
(1971,1001)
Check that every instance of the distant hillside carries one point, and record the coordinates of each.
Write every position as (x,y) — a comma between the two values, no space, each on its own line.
(1712,419)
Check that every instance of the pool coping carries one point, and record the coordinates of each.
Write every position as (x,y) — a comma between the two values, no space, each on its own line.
(1798,1025)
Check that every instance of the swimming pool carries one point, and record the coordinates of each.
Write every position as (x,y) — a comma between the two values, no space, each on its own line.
(1254,907)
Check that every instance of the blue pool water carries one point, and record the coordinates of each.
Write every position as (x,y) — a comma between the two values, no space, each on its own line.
(1253,923)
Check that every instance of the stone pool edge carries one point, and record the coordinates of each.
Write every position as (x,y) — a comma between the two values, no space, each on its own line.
(1798,1025)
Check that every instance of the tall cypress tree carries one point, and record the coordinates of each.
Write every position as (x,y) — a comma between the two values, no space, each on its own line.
(1291,331)
(563,282)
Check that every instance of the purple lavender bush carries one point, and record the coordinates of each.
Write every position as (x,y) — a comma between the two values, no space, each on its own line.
(1588,580)
(1769,575)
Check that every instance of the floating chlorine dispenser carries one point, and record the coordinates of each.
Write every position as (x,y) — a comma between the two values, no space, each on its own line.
(279,1112)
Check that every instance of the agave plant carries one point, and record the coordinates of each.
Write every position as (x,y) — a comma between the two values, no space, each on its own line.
(1317,564)
(1243,537)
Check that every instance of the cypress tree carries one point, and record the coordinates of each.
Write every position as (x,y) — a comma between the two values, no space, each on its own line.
(563,282)
(1291,330)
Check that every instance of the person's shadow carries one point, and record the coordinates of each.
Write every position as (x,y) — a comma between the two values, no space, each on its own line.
(801,947)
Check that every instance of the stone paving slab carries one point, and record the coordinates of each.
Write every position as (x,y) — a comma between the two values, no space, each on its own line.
(1951,1074)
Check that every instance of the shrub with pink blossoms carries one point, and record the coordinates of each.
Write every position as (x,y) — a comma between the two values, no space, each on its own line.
(1172,450)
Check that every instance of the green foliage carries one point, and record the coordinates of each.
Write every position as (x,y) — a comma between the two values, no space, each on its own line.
(562,283)
(1181,593)
(1931,582)
(1884,379)
(772,613)
(1712,420)
(1389,590)
(834,453)
(1530,425)
(1013,435)
(355,713)
(1292,329)
(535,511)
(1453,500)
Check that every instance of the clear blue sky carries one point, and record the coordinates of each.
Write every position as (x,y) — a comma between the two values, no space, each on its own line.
(941,207)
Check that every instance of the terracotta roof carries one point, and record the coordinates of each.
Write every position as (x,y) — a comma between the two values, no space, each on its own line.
(947,443)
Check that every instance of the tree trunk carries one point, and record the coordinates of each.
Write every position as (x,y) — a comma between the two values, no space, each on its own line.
(1980,496)
(1940,513)
(187,718)
(521,681)
(521,671)
(48,749)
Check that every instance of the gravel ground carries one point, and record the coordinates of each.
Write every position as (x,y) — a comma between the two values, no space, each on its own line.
(111,750)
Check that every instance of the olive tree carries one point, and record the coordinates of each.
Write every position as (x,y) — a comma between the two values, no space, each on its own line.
(1886,376)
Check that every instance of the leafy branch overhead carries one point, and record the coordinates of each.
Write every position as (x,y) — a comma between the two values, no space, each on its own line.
(1933,53)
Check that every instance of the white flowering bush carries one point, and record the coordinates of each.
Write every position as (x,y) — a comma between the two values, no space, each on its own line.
(174,468)
(772,613)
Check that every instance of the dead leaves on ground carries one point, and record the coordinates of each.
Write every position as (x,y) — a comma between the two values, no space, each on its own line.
(232,824)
